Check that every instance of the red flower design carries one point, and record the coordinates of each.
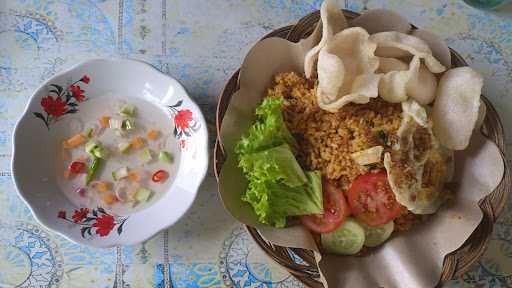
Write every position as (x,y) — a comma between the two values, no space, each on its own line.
(62,214)
(183,143)
(183,118)
(77,93)
(104,224)
(54,107)
(85,79)
(80,215)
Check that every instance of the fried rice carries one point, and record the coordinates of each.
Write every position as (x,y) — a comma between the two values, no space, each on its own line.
(327,140)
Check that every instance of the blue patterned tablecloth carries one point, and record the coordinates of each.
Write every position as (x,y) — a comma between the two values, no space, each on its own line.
(200,43)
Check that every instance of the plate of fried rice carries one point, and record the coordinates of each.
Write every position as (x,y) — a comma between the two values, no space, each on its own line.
(360,140)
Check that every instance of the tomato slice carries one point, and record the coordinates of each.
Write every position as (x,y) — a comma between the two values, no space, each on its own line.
(371,199)
(336,210)
(77,167)
(159,176)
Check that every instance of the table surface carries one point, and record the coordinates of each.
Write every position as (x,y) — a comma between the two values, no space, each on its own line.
(200,43)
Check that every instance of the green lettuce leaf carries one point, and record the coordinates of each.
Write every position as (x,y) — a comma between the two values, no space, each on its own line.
(274,164)
(273,202)
(278,187)
(268,131)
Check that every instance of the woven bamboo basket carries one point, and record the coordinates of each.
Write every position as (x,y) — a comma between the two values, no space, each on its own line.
(455,263)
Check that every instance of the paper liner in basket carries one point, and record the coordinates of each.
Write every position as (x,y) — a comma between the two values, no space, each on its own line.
(412,259)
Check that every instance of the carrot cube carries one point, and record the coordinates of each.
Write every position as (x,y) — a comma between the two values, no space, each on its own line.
(138,142)
(133,176)
(74,141)
(102,187)
(153,134)
(105,121)
(109,199)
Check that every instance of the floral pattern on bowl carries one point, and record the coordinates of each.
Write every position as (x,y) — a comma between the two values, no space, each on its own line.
(94,219)
(55,107)
(184,123)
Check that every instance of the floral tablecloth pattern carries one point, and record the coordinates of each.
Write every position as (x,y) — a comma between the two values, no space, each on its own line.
(200,43)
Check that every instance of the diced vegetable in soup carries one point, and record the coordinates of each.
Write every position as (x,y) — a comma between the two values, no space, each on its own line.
(121,158)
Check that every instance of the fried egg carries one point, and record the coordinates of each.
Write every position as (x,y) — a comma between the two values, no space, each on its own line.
(416,166)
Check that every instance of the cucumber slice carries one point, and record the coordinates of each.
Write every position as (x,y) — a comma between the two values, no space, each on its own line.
(348,239)
(128,124)
(124,147)
(101,152)
(165,156)
(145,156)
(127,111)
(142,195)
(90,146)
(377,235)
(120,173)
(89,132)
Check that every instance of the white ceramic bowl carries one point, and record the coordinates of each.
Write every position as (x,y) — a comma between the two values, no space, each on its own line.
(35,142)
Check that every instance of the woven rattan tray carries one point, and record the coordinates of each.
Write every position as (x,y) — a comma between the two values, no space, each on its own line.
(454,263)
